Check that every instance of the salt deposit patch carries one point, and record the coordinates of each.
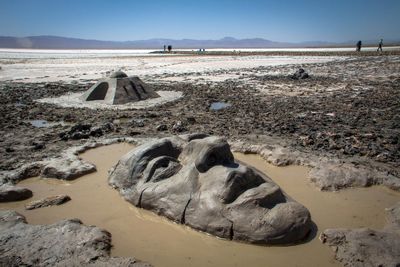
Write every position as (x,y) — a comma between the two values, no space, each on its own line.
(74,100)
(48,69)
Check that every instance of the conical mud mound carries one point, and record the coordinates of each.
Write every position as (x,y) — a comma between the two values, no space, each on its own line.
(119,89)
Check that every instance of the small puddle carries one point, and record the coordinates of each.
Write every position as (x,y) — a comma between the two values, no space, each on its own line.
(219,105)
(146,236)
(45,124)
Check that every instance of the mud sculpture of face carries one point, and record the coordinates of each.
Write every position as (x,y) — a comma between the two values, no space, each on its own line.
(197,182)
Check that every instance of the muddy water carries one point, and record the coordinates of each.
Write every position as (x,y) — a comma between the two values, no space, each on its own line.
(140,233)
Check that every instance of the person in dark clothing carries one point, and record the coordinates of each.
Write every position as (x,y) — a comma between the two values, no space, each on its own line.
(380,45)
(358,46)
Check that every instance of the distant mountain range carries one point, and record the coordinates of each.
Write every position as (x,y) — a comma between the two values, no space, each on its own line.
(56,42)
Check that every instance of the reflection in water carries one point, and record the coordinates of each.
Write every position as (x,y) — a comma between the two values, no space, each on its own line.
(142,234)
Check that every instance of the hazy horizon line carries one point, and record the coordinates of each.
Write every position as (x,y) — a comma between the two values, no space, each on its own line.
(207,39)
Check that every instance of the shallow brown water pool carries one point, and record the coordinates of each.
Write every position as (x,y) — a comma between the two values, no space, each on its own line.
(140,233)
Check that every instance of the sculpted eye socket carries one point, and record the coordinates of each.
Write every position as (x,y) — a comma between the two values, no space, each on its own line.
(164,164)
(212,159)
(161,168)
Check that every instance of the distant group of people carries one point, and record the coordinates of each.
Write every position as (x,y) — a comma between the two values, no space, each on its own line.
(359,44)
(169,47)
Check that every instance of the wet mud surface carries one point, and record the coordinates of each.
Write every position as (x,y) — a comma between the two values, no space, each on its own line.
(347,108)
(159,241)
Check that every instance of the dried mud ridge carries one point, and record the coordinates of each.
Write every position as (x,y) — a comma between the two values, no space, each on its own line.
(365,246)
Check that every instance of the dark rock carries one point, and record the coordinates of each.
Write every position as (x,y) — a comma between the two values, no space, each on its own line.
(179,127)
(191,120)
(137,123)
(10,149)
(48,201)
(66,243)
(108,127)
(63,136)
(80,128)
(198,183)
(13,193)
(79,131)
(133,133)
(161,127)
(38,145)
(79,135)
(96,131)
(300,74)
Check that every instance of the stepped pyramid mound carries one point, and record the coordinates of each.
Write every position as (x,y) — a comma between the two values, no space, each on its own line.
(119,89)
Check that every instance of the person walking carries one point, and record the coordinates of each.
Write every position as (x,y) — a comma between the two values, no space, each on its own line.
(380,46)
(359,43)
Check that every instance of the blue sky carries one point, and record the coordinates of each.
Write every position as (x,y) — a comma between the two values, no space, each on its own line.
(281,20)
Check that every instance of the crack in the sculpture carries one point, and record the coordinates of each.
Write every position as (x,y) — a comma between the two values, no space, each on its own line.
(113,170)
(231,233)
(184,210)
(140,198)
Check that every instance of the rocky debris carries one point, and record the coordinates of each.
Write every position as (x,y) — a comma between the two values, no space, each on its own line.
(37,145)
(48,201)
(198,183)
(179,127)
(66,166)
(78,131)
(191,120)
(161,127)
(137,123)
(10,149)
(326,173)
(85,131)
(300,74)
(13,193)
(367,247)
(66,243)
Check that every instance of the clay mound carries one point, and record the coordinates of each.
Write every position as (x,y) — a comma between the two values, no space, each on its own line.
(119,89)
(195,181)
(65,243)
